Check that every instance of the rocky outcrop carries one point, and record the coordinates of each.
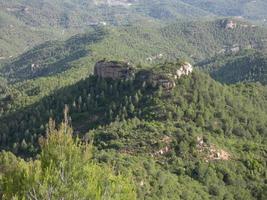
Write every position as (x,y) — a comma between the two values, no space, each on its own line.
(162,76)
(231,25)
(228,24)
(184,70)
(164,81)
(113,69)
(166,75)
(155,57)
(167,141)
(210,152)
(167,81)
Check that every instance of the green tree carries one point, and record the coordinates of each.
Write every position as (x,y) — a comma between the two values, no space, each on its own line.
(65,170)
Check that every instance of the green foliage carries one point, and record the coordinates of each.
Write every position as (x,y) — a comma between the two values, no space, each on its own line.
(51,57)
(194,40)
(131,122)
(25,24)
(63,170)
(232,7)
(133,125)
(246,66)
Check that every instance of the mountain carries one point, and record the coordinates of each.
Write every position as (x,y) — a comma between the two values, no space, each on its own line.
(193,40)
(133,99)
(25,24)
(51,57)
(247,9)
(246,66)
(189,132)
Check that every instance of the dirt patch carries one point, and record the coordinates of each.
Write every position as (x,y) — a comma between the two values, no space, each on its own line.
(210,152)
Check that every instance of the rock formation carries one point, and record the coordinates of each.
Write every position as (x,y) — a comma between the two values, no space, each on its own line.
(229,24)
(210,152)
(155,57)
(113,69)
(166,74)
(162,76)
(184,70)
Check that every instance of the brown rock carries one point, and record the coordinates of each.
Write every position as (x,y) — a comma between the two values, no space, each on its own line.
(113,69)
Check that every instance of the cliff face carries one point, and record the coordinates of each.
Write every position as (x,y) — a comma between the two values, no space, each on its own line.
(164,77)
(184,70)
(113,69)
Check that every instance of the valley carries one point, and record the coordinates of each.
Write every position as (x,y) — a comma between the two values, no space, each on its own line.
(133,99)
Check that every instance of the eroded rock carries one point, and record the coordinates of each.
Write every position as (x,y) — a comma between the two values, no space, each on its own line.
(113,69)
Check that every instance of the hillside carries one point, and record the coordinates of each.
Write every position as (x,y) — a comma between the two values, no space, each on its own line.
(26,23)
(3,89)
(157,131)
(51,57)
(248,9)
(133,99)
(193,40)
(18,36)
(246,66)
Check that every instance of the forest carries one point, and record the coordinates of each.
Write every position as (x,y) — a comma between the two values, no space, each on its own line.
(131,123)
(189,121)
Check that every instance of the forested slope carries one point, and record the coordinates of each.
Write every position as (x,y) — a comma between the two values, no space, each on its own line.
(141,43)
(66,132)
(26,23)
(159,132)
(247,9)
(246,66)
(51,57)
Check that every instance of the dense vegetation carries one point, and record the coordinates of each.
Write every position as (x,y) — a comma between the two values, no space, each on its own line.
(51,57)
(26,23)
(248,9)
(68,134)
(64,170)
(191,39)
(154,132)
(246,66)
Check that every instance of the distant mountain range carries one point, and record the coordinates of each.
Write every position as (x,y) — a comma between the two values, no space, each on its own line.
(170,94)
(140,43)
(26,23)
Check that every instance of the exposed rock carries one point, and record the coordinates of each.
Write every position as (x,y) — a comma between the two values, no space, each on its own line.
(113,69)
(142,183)
(103,23)
(165,75)
(167,141)
(229,24)
(164,81)
(222,51)
(155,57)
(210,152)
(125,3)
(235,49)
(161,151)
(35,67)
(185,69)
